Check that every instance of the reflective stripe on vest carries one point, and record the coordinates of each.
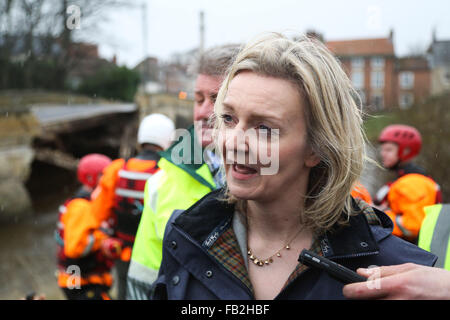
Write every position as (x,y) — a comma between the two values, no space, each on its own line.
(89,246)
(134,175)
(406,232)
(381,194)
(129,196)
(441,236)
(130,193)
(435,233)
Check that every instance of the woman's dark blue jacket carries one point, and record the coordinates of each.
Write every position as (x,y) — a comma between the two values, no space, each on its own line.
(200,259)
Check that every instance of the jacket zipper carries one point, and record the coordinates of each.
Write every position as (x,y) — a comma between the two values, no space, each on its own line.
(355,255)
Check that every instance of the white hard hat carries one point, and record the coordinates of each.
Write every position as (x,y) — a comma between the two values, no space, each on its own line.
(157,129)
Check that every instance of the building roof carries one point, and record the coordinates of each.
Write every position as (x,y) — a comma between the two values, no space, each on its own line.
(412,63)
(440,52)
(362,47)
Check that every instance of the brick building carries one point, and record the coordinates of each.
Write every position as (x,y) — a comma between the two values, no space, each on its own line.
(385,81)
(413,80)
(84,62)
(370,64)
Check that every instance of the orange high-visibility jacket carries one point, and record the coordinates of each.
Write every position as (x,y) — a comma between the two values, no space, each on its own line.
(81,229)
(79,243)
(360,192)
(104,200)
(103,195)
(407,197)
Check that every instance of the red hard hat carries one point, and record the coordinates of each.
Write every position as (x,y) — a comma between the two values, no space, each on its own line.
(407,138)
(90,167)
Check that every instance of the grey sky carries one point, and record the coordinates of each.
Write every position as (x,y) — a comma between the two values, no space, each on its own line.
(173,25)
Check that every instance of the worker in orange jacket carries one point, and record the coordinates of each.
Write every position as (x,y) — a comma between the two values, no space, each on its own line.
(360,192)
(404,199)
(83,271)
(118,200)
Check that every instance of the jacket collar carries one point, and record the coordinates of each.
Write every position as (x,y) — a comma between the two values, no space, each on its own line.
(205,221)
(188,143)
(202,220)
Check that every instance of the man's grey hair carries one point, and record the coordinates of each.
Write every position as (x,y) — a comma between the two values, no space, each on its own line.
(214,61)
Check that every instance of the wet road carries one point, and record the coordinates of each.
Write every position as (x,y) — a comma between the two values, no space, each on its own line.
(48,115)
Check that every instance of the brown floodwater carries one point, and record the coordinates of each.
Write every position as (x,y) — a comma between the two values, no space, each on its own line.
(27,246)
(27,255)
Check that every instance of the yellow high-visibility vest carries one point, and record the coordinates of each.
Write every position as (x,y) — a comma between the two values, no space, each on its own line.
(434,233)
(173,187)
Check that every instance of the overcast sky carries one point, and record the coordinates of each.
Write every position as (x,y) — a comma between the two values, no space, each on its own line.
(173,25)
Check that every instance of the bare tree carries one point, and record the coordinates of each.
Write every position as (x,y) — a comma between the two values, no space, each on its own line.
(42,28)
(32,15)
(417,49)
(6,41)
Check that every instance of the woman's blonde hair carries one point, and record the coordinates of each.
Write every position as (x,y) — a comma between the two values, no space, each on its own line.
(333,120)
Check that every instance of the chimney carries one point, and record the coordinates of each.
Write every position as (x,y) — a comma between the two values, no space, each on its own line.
(114,59)
(202,31)
(391,35)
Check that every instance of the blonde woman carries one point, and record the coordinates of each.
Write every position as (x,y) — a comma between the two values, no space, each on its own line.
(289,132)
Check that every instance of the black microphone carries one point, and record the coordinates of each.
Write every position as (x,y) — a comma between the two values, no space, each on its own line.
(335,270)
